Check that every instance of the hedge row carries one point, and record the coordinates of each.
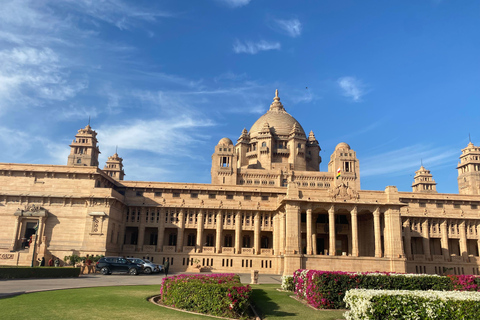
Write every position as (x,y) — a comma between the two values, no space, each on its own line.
(325,289)
(216,294)
(38,272)
(404,304)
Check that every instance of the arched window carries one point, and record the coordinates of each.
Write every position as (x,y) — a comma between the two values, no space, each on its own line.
(209,242)
(79,160)
(228,240)
(264,144)
(191,239)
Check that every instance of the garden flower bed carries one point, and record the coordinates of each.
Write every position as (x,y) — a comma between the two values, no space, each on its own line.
(215,294)
(325,289)
(411,304)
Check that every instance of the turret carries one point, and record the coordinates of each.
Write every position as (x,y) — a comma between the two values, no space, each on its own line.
(84,150)
(114,167)
(423,181)
(469,170)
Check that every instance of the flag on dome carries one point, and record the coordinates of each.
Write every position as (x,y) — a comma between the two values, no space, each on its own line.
(338,173)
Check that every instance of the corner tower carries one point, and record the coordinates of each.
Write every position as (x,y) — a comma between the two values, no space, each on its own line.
(224,161)
(84,150)
(345,159)
(469,170)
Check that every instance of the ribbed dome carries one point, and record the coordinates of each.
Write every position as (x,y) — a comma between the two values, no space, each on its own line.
(279,121)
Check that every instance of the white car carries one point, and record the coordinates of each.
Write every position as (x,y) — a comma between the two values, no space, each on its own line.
(148,266)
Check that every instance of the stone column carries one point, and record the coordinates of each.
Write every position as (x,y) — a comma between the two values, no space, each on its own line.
(282,233)
(200,228)
(378,236)
(426,239)
(292,229)
(15,234)
(309,231)
(463,240)
(408,239)
(218,238)
(141,230)
(353,215)
(238,231)
(331,231)
(181,230)
(275,233)
(444,240)
(161,230)
(123,226)
(256,233)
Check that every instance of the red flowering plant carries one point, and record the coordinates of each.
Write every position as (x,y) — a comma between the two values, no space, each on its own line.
(214,294)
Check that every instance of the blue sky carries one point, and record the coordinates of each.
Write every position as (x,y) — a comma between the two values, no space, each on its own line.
(165,80)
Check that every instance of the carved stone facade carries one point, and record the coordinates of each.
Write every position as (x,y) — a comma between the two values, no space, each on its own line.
(268,208)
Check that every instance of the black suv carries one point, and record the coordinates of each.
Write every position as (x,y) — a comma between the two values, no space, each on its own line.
(107,265)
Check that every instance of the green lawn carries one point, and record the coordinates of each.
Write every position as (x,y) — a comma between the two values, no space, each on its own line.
(274,304)
(129,302)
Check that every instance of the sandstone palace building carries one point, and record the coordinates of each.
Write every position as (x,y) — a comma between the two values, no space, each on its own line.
(268,208)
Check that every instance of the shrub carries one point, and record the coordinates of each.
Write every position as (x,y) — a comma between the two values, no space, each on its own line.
(287,283)
(414,304)
(325,289)
(217,294)
(38,272)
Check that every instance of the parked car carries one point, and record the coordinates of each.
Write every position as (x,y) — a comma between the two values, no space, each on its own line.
(107,265)
(148,266)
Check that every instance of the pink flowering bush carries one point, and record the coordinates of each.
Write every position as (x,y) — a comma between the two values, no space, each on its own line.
(465,282)
(327,289)
(215,294)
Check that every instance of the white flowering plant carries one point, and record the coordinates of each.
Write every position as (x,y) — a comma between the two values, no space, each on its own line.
(411,304)
(287,283)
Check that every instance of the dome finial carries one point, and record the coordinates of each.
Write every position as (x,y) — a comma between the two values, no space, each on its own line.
(276,104)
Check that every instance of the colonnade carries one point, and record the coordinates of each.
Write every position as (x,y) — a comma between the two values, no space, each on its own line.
(200,228)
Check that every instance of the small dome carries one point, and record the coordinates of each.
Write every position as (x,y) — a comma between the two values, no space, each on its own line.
(342,145)
(225,141)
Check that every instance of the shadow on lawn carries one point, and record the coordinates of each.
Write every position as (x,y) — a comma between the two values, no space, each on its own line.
(265,305)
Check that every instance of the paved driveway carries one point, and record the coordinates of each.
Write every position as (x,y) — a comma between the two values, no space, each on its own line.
(15,287)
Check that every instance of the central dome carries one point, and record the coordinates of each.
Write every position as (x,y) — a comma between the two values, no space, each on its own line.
(278,120)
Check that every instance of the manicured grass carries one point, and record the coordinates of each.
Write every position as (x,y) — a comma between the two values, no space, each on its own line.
(278,305)
(129,302)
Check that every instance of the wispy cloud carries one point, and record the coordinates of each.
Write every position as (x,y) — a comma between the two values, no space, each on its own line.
(352,88)
(406,160)
(118,13)
(254,47)
(292,27)
(159,136)
(235,3)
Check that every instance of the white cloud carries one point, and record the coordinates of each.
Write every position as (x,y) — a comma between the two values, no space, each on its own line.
(352,88)
(406,160)
(235,3)
(254,47)
(160,136)
(292,27)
